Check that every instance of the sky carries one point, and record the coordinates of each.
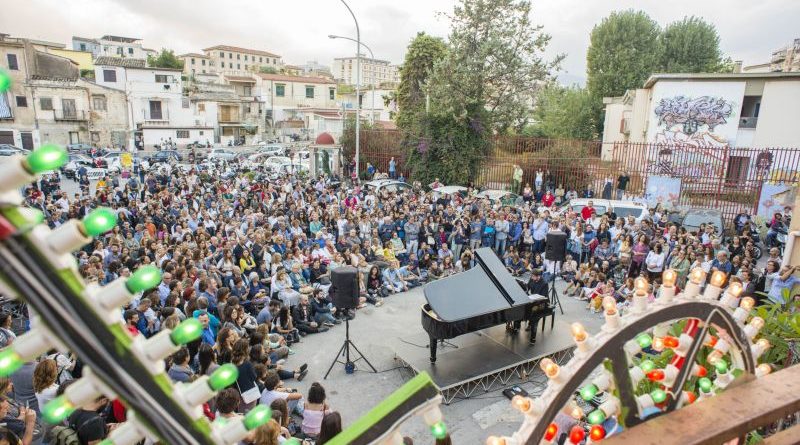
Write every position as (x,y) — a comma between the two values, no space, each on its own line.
(298,30)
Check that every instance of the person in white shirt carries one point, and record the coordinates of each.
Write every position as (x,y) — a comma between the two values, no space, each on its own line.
(655,262)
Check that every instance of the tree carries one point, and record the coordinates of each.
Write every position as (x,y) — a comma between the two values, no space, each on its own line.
(494,63)
(562,113)
(690,46)
(165,59)
(267,70)
(624,50)
(422,53)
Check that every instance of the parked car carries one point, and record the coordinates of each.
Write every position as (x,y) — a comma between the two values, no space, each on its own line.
(10,150)
(390,185)
(163,156)
(109,159)
(503,196)
(79,148)
(272,150)
(450,190)
(691,218)
(76,161)
(222,154)
(275,162)
(622,209)
(198,144)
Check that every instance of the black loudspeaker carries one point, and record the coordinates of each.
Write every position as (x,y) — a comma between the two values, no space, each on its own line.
(344,287)
(556,246)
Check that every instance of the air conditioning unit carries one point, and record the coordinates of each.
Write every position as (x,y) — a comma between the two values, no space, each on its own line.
(166,87)
(625,126)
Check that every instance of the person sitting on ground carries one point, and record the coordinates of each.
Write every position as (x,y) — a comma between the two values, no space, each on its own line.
(315,409)
(273,389)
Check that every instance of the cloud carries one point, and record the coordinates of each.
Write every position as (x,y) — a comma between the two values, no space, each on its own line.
(298,30)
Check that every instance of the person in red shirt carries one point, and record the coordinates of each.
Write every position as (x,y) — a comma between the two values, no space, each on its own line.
(131,320)
(548,199)
(588,212)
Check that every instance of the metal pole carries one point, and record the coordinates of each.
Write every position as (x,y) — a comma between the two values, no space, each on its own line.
(371,54)
(358,85)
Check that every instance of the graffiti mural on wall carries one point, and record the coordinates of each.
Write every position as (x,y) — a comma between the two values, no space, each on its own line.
(686,127)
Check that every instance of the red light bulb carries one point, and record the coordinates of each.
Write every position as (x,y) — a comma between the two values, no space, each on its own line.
(597,433)
(656,375)
(550,432)
(577,434)
(671,342)
(700,371)
(690,397)
(712,341)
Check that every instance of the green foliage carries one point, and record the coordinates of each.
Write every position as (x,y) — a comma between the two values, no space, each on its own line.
(624,50)
(422,53)
(782,330)
(562,113)
(690,46)
(345,89)
(87,74)
(165,59)
(348,139)
(264,69)
(494,60)
(450,149)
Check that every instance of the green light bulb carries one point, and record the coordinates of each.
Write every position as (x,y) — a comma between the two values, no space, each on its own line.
(107,442)
(596,417)
(588,392)
(647,365)
(439,430)
(257,416)
(5,81)
(57,410)
(187,332)
(292,441)
(644,340)
(10,361)
(46,158)
(658,395)
(99,221)
(721,366)
(146,277)
(223,377)
(704,384)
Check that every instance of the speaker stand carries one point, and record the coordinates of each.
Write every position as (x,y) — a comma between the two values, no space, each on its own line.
(345,351)
(553,292)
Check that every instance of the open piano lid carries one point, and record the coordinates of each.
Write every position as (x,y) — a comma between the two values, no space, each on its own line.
(488,287)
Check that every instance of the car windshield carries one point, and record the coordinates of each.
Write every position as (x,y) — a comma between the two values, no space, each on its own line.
(600,210)
(624,212)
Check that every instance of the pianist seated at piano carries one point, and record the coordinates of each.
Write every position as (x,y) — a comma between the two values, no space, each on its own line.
(536,285)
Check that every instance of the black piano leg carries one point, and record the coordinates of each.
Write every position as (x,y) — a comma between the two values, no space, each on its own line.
(535,325)
(433,350)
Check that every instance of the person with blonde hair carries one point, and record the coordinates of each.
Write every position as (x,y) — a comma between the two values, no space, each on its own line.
(44,381)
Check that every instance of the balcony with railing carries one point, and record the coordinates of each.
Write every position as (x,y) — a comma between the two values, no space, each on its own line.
(70,115)
(748,121)
(154,117)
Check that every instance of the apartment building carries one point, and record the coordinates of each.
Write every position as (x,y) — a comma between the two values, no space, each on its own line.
(157,109)
(112,46)
(225,59)
(298,104)
(374,72)
(49,103)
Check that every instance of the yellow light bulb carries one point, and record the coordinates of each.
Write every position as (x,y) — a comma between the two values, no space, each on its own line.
(658,344)
(521,403)
(747,303)
(575,411)
(714,357)
(578,332)
(494,440)
(697,275)
(735,289)
(757,322)
(669,277)
(549,367)
(610,305)
(763,343)
(718,278)
(763,369)
(641,285)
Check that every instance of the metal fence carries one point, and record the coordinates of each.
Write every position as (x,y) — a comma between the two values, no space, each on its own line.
(730,179)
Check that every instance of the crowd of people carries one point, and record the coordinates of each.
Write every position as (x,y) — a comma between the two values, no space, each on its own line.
(252,261)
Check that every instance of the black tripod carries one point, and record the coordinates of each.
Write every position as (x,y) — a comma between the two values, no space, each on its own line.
(349,366)
(553,293)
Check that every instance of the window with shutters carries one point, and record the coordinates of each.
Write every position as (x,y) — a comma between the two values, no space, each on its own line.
(22,101)
(182,134)
(109,75)
(99,103)
(280,90)
(12,62)
(46,103)
(309,92)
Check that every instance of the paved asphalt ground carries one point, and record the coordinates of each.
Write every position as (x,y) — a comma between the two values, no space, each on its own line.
(376,332)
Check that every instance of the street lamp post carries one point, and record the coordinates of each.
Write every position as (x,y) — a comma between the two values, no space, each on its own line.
(358,87)
(371,54)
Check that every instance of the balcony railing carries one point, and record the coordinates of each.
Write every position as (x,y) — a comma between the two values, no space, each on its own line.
(778,56)
(748,122)
(151,118)
(70,115)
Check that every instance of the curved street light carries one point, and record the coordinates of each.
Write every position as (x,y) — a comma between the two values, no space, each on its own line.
(371,54)
(358,87)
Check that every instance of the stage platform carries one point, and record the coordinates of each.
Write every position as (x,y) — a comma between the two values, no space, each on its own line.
(483,360)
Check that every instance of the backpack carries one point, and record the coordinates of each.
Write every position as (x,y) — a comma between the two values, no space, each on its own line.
(67,435)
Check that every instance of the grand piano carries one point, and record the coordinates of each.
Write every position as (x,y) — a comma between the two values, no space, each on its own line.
(484,296)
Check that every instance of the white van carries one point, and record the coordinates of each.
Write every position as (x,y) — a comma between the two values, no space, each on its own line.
(622,209)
